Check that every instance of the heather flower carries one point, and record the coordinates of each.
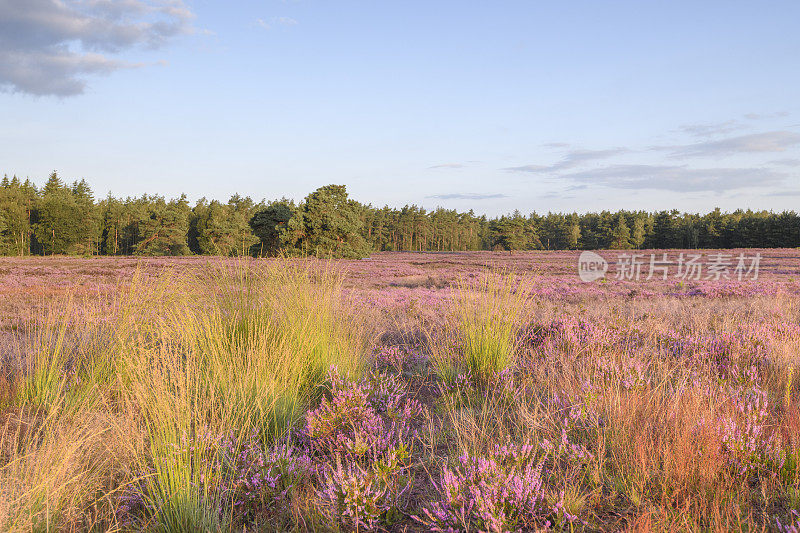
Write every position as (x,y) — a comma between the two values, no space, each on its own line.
(792,526)
(501,492)
(362,498)
(463,382)
(397,358)
(132,504)
(254,481)
(363,420)
(747,440)
(577,419)
(629,372)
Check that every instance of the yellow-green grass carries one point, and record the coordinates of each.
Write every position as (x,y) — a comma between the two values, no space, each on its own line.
(220,350)
(480,329)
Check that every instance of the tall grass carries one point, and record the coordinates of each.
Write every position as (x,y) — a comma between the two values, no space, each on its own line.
(58,475)
(480,330)
(247,357)
(225,350)
(56,375)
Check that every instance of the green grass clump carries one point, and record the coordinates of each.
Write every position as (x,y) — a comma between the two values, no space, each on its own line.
(247,357)
(481,328)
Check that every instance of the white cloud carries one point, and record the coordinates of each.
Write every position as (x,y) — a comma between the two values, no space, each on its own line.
(711,129)
(528,168)
(762,116)
(784,193)
(788,162)
(48,47)
(556,145)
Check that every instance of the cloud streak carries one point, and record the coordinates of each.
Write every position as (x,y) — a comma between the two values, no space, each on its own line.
(276,21)
(678,178)
(711,129)
(788,162)
(784,193)
(763,116)
(449,165)
(770,141)
(572,159)
(48,47)
(467,196)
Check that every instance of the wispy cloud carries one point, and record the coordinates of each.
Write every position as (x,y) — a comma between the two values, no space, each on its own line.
(677,178)
(789,162)
(528,168)
(566,193)
(711,129)
(449,165)
(572,159)
(48,47)
(466,196)
(556,145)
(762,116)
(771,141)
(784,193)
(276,21)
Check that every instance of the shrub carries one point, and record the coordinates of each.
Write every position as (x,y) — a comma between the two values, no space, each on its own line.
(503,491)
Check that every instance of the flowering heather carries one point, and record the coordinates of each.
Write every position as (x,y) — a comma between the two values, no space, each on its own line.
(576,420)
(398,358)
(501,492)
(747,438)
(578,334)
(253,481)
(543,403)
(365,497)
(792,525)
(353,497)
(363,420)
(629,372)
(467,389)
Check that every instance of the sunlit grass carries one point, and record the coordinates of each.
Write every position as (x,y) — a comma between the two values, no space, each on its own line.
(481,327)
(225,349)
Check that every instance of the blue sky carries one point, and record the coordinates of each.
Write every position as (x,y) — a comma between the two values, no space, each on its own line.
(491,106)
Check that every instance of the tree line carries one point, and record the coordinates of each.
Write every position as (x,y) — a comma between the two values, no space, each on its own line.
(64,218)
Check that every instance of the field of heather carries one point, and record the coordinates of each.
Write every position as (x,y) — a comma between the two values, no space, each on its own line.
(405,392)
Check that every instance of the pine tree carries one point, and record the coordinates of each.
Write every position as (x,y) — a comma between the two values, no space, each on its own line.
(327,225)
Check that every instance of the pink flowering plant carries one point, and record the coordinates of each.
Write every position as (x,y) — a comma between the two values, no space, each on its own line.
(362,497)
(502,491)
(791,525)
(364,435)
(363,420)
(748,440)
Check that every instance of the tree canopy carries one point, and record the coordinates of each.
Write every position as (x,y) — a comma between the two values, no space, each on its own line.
(61,218)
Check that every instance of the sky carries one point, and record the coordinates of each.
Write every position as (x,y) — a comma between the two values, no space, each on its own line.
(485,105)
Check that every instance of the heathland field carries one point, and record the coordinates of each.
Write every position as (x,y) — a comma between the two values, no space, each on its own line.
(405,392)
